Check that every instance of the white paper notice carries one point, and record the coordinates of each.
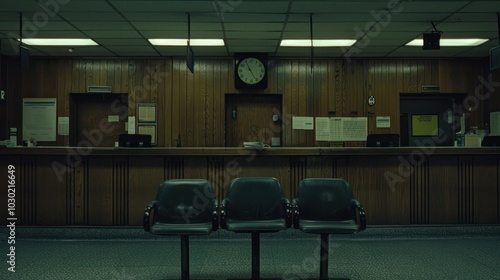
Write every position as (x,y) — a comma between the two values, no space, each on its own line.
(383,122)
(63,125)
(131,125)
(322,129)
(39,119)
(306,123)
(113,118)
(341,129)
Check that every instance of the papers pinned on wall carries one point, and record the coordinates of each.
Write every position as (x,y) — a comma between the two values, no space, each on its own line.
(305,123)
(341,129)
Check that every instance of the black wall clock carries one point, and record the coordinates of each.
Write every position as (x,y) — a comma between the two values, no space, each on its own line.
(250,70)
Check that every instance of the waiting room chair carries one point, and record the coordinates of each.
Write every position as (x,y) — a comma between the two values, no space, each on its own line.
(326,206)
(255,205)
(182,207)
(382,140)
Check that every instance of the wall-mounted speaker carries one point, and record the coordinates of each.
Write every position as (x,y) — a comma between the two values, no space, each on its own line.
(431,41)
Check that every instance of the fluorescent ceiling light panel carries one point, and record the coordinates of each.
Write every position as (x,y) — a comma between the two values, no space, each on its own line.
(468,42)
(58,42)
(317,43)
(183,42)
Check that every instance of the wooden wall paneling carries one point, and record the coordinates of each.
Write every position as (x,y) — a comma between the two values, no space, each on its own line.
(183,104)
(284,72)
(218,176)
(304,90)
(320,101)
(64,88)
(100,190)
(121,190)
(51,197)
(78,192)
(372,84)
(446,75)
(145,174)
(343,87)
(176,103)
(191,99)
(141,93)
(115,71)
(418,172)
(470,80)
(385,201)
(331,82)
(443,190)
(421,75)
(132,73)
(206,113)
(174,168)
(216,124)
(427,75)
(26,191)
(413,76)
(195,168)
(162,79)
(354,88)
(340,88)
(465,190)
(391,95)
(340,167)
(485,189)
(201,99)
(319,167)
(298,167)
(294,88)
(89,73)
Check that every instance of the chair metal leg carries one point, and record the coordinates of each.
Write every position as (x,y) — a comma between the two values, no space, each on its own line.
(185,257)
(323,261)
(255,256)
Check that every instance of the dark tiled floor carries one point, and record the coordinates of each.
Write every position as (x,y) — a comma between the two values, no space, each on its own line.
(469,252)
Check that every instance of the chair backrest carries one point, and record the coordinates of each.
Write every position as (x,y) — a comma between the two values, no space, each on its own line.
(325,199)
(382,140)
(255,198)
(185,201)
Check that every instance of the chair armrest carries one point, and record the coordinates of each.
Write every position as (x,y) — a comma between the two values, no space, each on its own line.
(362,215)
(288,208)
(223,209)
(215,215)
(296,213)
(153,205)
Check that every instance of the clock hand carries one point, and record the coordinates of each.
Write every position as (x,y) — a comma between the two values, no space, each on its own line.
(250,69)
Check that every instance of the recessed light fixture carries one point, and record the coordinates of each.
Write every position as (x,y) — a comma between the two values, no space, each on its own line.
(58,42)
(317,43)
(466,42)
(183,42)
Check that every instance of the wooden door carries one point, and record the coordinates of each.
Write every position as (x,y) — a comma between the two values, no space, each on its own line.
(97,119)
(249,117)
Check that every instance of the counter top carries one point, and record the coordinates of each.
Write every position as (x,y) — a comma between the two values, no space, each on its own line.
(240,151)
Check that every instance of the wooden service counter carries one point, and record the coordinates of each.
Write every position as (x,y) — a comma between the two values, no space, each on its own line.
(112,186)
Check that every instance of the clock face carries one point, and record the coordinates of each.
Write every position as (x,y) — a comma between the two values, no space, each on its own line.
(251,70)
